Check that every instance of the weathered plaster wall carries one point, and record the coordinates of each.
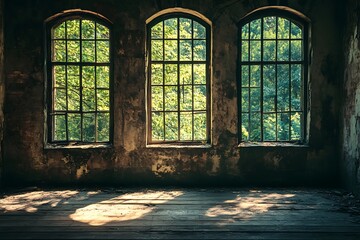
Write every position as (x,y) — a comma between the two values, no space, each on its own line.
(129,161)
(2,86)
(351,100)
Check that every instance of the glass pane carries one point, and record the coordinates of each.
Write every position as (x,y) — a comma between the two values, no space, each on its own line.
(283,88)
(73,76)
(171,50)
(88,29)
(59,54)
(255,99)
(102,77)
(255,50)
(186,125)
(157,99)
(199,50)
(185,50)
(269,89)
(269,133)
(185,74)
(157,31)
(88,51)
(171,126)
(296,87)
(255,29)
(296,50)
(296,31)
(244,50)
(73,51)
(102,32)
(296,126)
(245,99)
(283,28)
(88,127)
(245,127)
(269,28)
(157,126)
(59,128)
(255,126)
(200,97)
(200,126)
(186,98)
(73,98)
(283,126)
(245,31)
(103,100)
(255,76)
(59,76)
(103,127)
(245,76)
(157,74)
(88,77)
(73,29)
(171,74)
(283,51)
(170,28)
(199,31)
(59,99)
(88,98)
(156,50)
(269,53)
(199,73)
(74,126)
(59,31)
(171,98)
(185,28)
(102,51)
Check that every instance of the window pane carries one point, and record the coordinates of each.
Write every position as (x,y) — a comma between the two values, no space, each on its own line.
(200,97)
(156,50)
(102,76)
(269,53)
(245,76)
(199,73)
(199,31)
(88,127)
(186,98)
(157,74)
(296,126)
(185,50)
(74,127)
(245,31)
(255,126)
(296,82)
(88,51)
(255,76)
(283,88)
(296,32)
(157,31)
(283,51)
(171,126)
(73,98)
(88,29)
(157,97)
(103,100)
(185,74)
(255,29)
(102,51)
(88,99)
(157,126)
(102,32)
(269,88)
(255,50)
(269,30)
(59,31)
(73,29)
(73,76)
(59,76)
(171,77)
(255,99)
(199,50)
(171,98)
(200,126)
(296,50)
(283,28)
(186,124)
(245,99)
(269,127)
(171,50)
(245,51)
(59,53)
(170,28)
(185,28)
(59,128)
(245,126)
(103,128)
(283,126)
(73,51)
(59,99)
(88,77)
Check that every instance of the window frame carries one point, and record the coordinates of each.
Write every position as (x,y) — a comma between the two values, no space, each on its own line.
(207,25)
(49,24)
(304,23)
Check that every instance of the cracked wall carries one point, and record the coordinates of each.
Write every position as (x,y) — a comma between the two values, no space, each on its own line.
(129,161)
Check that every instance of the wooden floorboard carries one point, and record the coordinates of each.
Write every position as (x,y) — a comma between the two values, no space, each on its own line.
(179,214)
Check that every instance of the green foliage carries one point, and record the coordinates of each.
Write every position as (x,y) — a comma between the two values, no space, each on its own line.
(81,94)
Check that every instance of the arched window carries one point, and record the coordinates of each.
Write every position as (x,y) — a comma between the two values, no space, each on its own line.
(273,75)
(79,78)
(178,79)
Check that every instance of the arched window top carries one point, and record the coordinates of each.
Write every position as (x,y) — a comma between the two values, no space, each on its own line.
(77,14)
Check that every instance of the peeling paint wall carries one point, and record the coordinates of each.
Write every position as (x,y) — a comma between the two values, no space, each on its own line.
(129,161)
(351,101)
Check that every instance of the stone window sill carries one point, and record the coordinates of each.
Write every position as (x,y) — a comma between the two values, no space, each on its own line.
(50,146)
(272,144)
(179,146)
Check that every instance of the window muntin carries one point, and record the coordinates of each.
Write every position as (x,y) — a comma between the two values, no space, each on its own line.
(79,67)
(178,86)
(272,79)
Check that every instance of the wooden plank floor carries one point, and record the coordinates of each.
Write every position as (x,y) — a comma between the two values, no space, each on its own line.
(179,214)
